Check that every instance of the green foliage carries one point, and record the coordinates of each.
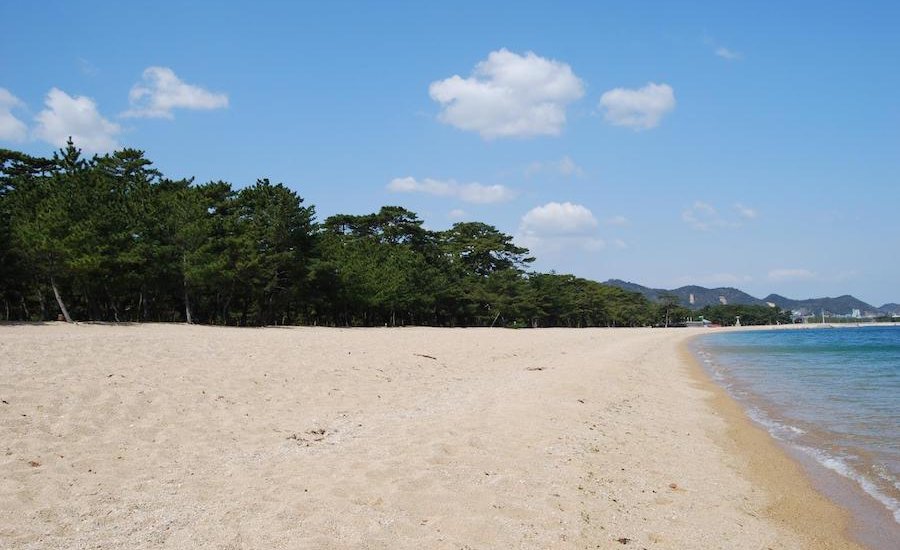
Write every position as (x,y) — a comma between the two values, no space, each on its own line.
(120,242)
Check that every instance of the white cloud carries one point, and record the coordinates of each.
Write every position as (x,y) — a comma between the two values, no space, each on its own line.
(457,214)
(791,274)
(78,117)
(642,108)
(11,128)
(557,228)
(509,95)
(746,212)
(160,91)
(468,192)
(727,54)
(556,218)
(616,220)
(565,167)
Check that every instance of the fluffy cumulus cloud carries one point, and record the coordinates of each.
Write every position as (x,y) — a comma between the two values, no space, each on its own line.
(640,109)
(468,192)
(78,117)
(556,218)
(161,91)
(784,274)
(509,95)
(11,128)
(556,227)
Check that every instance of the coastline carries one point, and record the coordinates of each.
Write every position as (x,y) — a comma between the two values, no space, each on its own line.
(794,503)
(172,436)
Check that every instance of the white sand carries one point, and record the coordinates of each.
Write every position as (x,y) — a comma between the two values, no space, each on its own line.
(167,436)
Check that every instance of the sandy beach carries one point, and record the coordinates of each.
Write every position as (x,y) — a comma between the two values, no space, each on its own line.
(170,436)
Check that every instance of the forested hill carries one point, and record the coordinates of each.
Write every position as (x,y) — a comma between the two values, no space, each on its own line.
(702,296)
(842,305)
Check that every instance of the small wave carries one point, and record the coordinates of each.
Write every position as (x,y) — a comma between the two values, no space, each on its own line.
(838,466)
(778,430)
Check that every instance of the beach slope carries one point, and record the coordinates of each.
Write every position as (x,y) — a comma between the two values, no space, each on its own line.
(169,436)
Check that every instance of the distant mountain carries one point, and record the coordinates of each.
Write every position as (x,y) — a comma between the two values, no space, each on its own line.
(842,305)
(702,296)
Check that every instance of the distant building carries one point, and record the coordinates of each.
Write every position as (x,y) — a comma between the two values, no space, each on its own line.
(691,298)
(856,314)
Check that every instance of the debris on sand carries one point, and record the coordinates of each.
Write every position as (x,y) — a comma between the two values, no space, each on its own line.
(317,435)
(433,358)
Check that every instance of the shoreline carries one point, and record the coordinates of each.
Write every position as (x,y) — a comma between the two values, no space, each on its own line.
(861,519)
(794,503)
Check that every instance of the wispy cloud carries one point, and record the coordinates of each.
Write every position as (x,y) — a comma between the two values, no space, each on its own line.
(565,167)
(616,220)
(727,54)
(703,216)
(468,192)
(86,67)
(746,212)
(718,49)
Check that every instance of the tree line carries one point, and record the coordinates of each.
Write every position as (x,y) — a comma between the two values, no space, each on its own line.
(110,238)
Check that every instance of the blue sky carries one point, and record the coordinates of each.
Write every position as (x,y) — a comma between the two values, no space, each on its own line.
(740,144)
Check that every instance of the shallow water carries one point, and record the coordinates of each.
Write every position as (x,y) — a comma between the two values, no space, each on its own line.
(831,394)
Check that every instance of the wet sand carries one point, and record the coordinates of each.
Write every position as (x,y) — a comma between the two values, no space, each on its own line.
(170,436)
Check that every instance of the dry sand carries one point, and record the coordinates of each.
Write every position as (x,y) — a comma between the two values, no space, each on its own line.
(167,436)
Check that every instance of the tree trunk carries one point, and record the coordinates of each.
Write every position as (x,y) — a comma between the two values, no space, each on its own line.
(187,307)
(41,302)
(24,308)
(59,301)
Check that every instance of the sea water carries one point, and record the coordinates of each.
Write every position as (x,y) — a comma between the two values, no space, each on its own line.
(830,394)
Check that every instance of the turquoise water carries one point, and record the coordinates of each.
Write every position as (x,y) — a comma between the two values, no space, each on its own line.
(831,394)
